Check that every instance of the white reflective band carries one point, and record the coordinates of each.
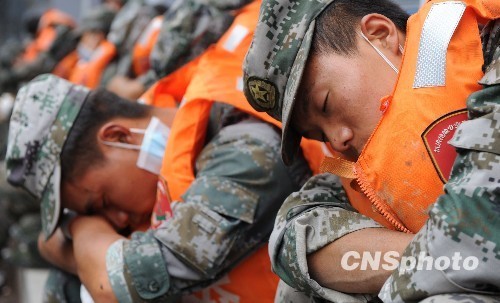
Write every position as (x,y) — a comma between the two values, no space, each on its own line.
(437,31)
(239,84)
(237,35)
(153,26)
(183,102)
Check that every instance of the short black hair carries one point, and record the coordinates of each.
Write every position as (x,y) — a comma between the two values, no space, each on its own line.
(336,26)
(81,150)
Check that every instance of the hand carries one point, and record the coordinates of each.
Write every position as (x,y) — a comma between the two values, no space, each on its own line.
(325,264)
(126,88)
(58,251)
(92,237)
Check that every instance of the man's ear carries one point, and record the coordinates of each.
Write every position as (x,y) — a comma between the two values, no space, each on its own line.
(381,31)
(114,132)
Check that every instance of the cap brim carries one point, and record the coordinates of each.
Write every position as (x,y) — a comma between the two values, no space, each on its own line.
(290,140)
(51,203)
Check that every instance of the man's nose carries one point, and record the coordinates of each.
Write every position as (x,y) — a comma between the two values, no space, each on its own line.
(339,139)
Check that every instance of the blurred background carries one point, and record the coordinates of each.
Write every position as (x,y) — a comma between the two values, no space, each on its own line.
(12,13)
(22,271)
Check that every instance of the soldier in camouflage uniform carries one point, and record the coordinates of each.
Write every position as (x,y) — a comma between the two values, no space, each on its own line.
(64,42)
(239,182)
(463,220)
(188,29)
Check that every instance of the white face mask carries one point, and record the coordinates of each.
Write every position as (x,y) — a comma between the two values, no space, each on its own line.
(381,54)
(153,145)
(84,53)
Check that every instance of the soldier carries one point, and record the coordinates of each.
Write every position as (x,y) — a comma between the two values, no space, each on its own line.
(93,52)
(126,29)
(211,94)
(187,30)
(54,40)
(335,71)
(226,214)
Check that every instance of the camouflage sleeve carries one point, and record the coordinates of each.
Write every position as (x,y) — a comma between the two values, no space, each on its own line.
(458,250)
(310,219)
(227,213)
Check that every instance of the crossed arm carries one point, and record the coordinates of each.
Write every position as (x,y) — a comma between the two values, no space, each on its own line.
(315,228)
(235,193)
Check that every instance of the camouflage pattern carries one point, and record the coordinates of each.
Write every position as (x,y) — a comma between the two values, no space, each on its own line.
(65,42)
(276,59)
(43,115)
(61,287)
(127,27)
(20,222)
(317,215)
(20,225)
(98,19)
(189,27)
(465,218)
(123,22)
(228,211)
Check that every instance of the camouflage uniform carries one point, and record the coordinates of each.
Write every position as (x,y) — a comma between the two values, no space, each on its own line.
(61,287)
(189,28)
(19,216)
(224,201)
(64,43)
(464,220)
(315,216)
(228,211)
(127,26)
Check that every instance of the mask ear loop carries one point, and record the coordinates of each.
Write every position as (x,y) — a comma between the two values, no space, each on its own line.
(121,145)
(380,53)
(126,145)
(137,130)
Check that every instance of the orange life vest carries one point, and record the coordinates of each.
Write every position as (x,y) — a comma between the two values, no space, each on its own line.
(144,46)
(65,67)
(216,76)
(406,161)
(89,73)
(169,91)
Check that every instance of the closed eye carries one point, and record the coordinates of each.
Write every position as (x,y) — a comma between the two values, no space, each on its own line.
(325,102)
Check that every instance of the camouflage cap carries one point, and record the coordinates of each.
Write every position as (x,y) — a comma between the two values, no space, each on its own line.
(276,59)
(97,19)
(44,112)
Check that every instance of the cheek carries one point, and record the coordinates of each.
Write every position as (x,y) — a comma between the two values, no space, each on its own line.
(135,195)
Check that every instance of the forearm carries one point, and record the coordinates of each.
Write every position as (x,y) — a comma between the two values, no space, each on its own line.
(91,242)
(463,225)
(328,265)
(58,251)
(226,213)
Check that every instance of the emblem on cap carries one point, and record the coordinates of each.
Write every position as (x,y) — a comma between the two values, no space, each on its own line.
(264,93)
